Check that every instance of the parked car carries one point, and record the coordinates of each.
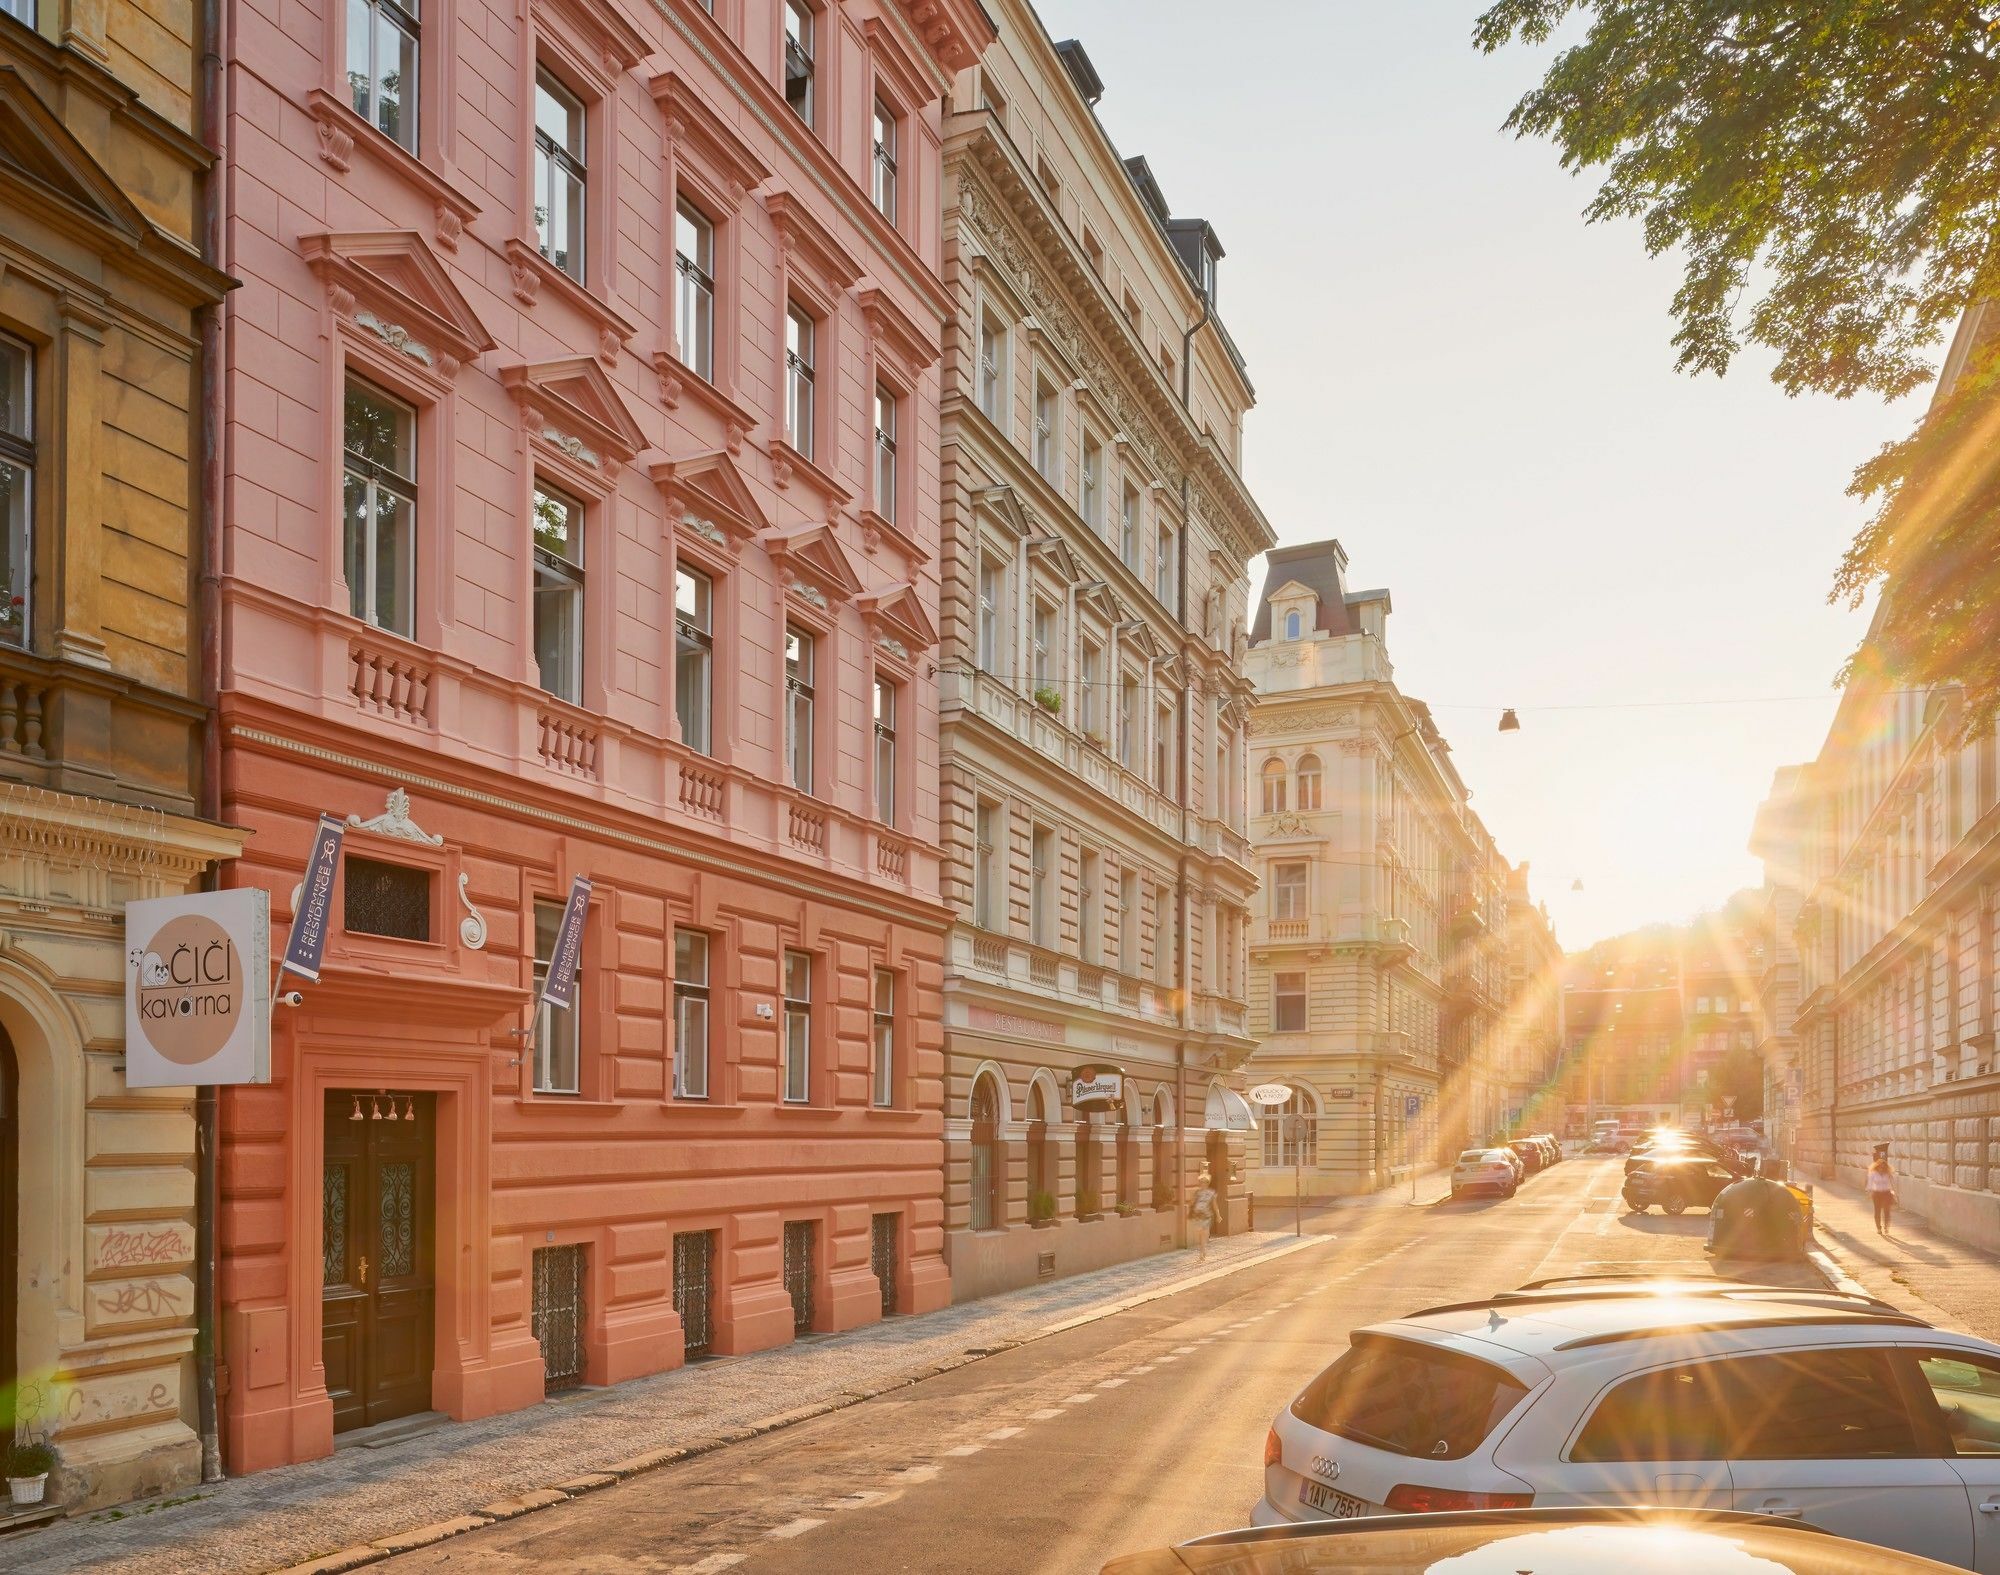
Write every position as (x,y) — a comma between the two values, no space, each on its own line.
(1553,1144)
(1686,1145)
(1483,1170)
(1610,1143)
(1580,1541)
(1830,1409)
(1532,1156)
(1676,1182)
(1520,1165)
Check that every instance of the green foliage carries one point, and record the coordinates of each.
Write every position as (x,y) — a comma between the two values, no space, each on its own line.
(1041,1206)
(1048,699)
(29,1458)
(1829,172)
(1087,1204)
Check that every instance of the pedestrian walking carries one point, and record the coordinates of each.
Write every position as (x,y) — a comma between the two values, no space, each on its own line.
(1882,1188)
(1201,1213)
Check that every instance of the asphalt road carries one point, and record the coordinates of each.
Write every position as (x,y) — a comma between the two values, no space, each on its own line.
(1140,1429)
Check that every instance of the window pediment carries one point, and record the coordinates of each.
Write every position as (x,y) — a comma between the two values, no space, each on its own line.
(1095,596)
(812,564)
(391,284)
(809,244)
(1003,506)
(730,164)
(708,496)
(38,151)
(897,619)
(909,85)
(573,408)
(1054,552)
(894,331)
(875,530)
(597,32)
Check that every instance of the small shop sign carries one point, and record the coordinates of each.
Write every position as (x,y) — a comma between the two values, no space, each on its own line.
(1270,1094)
(1094,1087)
(198,989)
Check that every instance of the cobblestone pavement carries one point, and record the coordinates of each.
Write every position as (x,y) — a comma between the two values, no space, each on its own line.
(1920,1270)
(300,1512)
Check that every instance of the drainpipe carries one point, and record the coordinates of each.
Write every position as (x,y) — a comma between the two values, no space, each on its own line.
(208,621)
(1185,710)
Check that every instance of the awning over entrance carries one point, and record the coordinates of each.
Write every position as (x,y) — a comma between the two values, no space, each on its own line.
(1229,1111)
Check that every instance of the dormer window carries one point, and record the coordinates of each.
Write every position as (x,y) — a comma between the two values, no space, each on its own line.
(1292,625)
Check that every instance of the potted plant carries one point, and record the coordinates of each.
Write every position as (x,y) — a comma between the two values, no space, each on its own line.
(1098,742)
(1041,1209)
(29,1462)
(1048,700)
(1087,1205)
(1127,1210)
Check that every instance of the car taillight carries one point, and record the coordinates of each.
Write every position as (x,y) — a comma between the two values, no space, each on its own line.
(1273,1450)
(1410,1499)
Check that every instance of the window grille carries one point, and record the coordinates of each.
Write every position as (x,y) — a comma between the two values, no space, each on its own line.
(557,1315)
(882,1256)
(799,1273)
(387,899)
(694,1290)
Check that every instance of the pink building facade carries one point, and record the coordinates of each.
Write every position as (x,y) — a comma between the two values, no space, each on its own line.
(581,465)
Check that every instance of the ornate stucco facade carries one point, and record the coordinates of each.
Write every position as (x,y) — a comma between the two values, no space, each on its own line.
(1097,536)
(102,296)
(1380,966)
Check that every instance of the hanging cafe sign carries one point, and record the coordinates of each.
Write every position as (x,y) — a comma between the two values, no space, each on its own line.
(197,989)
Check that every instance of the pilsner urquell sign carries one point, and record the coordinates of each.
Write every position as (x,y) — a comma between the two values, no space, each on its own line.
(198,990)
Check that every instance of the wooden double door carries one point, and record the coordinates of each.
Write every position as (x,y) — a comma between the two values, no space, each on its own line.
(378,1238)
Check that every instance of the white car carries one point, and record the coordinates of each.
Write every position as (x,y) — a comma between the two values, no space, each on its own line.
(1834,1410)
(1484,1170)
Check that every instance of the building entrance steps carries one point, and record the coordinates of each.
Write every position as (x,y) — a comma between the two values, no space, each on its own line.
(360,1505)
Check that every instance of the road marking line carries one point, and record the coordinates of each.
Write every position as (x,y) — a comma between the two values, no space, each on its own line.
(999,1433)
(1159,1359)
(1110,1383)
(859,1500)
(1146,1367)
(965,1449)
(1183,1350)
(713,1564)
(794,1528)
(1043,1416)
(1078,1399)
(918,1473)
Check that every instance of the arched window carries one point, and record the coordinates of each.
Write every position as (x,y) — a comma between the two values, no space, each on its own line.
(1128,1153)
(1273,778)
(1163,1181)
(1291,1131)
(1041,1154)
(987,1162)
(1291,625)
(1308,774)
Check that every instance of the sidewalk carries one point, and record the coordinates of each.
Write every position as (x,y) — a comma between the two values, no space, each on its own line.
(1932,1275)
(479,1471)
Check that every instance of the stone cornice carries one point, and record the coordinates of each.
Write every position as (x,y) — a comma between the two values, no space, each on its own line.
(128,839)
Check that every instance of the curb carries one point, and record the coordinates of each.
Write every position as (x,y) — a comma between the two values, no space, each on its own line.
(1835,1276)
(528,1502)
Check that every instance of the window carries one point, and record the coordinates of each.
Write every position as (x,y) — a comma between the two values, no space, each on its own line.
(1132,313)
(559,593)
(694,656)
(1044,631)
(556,1036)
(985,866)
(799,336)
(991,98)
(382,38)
(1045,172)
(1088,920)
(992,592)
(1128,722)
(1042,888)
(798,1027)
(883,190)
(1163,936)
(1288,890)
(884,1082)
(1128,528)
(799,709)
(885,452)
(380,499)
(1090,489)
(1308,775)
(1128,922)
(21,10)
(992,368)
(386,899)
(561,181)
(799,30)
(17,468)
(1164,568)
(885,751)
(1090,680)
(1288,1003)
(690,1014)
(1165,754)
(1272,776)
(1410,1399)
(1968,1393)
(1290,1132)
(1093,251)
(1291,625)
(1048,434)
(694,302)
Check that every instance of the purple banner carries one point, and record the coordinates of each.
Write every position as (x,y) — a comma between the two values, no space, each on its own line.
(307,944)
(559,988)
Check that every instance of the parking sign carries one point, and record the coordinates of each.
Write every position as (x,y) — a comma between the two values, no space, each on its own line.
(1412,1104)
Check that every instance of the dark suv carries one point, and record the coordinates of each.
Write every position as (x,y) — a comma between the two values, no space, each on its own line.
(1677,1182)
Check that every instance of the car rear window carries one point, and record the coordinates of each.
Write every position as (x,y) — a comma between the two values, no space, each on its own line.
(1409,1399)
(1473,1156)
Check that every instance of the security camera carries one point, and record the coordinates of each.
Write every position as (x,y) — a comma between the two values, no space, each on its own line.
(291,998)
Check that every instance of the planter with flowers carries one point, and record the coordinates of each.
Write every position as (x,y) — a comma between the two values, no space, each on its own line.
(29,1462)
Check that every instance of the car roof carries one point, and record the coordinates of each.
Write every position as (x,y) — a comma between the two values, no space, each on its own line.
(1545,1320)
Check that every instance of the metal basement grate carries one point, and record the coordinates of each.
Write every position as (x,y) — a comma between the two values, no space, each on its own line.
(799,1273)
(558,1315)
(694,1290)
(882,1256)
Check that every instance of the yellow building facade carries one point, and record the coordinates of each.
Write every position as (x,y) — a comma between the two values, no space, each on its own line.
(103,292)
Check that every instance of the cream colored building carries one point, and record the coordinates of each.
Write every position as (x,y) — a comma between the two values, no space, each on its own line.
(1097,537)
(1379,964)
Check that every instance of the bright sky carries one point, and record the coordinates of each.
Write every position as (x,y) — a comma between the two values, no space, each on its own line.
(1475,392)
